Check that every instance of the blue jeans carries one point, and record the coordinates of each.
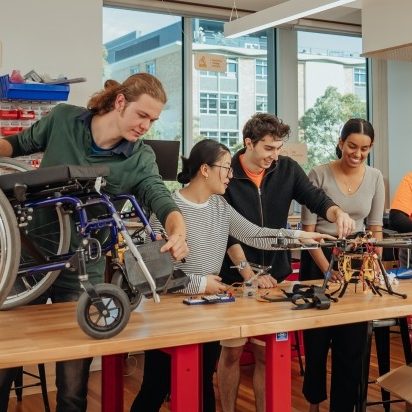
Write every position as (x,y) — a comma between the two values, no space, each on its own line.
(71,376)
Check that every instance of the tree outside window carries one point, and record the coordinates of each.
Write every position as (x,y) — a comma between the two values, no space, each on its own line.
(320,125)
(332,80)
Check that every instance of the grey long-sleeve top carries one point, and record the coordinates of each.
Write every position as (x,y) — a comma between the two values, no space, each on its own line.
(366,205)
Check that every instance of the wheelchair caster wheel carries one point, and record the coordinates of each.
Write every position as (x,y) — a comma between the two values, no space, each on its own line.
(134,298)
(104,325)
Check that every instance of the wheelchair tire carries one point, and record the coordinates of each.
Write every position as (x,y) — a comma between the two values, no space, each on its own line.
(28,287)
(9,247)
(95,324)
(119,280)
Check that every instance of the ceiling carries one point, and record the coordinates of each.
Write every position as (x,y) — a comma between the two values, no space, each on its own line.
(349,14)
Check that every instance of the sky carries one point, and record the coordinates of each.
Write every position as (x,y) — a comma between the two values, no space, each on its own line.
(329,41)
(117,22)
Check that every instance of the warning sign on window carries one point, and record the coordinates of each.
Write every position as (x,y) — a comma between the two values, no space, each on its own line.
(210,62)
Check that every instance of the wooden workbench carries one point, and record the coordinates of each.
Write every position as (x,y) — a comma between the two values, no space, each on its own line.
(45,333)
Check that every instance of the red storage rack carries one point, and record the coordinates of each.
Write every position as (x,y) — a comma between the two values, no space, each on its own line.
(9,114)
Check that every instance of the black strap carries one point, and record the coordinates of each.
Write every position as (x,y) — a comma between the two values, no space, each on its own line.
(311,295)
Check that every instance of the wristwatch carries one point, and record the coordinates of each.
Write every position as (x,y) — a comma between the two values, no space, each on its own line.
(243,264)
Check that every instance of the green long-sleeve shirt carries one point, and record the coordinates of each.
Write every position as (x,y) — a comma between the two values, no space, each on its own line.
(65,137)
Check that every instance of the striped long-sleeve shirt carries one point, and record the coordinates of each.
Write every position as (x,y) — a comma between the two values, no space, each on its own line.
(208,226)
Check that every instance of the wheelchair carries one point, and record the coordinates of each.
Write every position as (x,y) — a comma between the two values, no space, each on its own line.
(59,218)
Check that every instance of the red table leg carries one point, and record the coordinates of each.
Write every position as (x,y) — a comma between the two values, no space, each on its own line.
(185,391)
(278,373)
(112,383)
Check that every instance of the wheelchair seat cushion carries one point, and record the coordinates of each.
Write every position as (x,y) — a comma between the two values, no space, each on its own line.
(52,175)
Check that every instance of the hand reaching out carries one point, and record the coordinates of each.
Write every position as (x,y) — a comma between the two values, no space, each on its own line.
(177,246)
(336,277)
(314,237)
(266,282)
(345,225)
(214,285)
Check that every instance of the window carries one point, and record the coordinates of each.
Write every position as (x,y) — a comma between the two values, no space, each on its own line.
(151,68)
(230,139)
(261,69)
(359,76)
(222,103)
(208,103)
(209,134)
(228,104)
(261,103)
(134,70)
(208,74)
(232,66)
(252,45)
(331,89)
(128,37)
(231,69)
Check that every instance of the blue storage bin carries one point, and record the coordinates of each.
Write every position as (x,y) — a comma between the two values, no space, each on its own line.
(402,273)
(32,91)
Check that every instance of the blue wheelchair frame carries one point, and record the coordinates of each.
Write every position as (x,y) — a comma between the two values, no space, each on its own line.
(87,227)
(104,309)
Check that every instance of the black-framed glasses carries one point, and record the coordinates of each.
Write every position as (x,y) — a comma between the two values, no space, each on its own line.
(228,169)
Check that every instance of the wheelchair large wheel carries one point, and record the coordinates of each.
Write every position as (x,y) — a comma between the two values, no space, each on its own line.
(134,298)
(51,235)
(9,247)
(99,325)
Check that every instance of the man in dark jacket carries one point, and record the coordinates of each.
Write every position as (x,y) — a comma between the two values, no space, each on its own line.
(262,189)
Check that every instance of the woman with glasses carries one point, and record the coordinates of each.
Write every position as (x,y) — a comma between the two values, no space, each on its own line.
(210,220)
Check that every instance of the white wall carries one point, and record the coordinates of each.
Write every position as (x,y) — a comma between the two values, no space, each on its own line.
(399,121)
(55,37)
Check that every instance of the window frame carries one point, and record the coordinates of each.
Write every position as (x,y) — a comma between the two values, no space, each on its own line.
(206,96)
